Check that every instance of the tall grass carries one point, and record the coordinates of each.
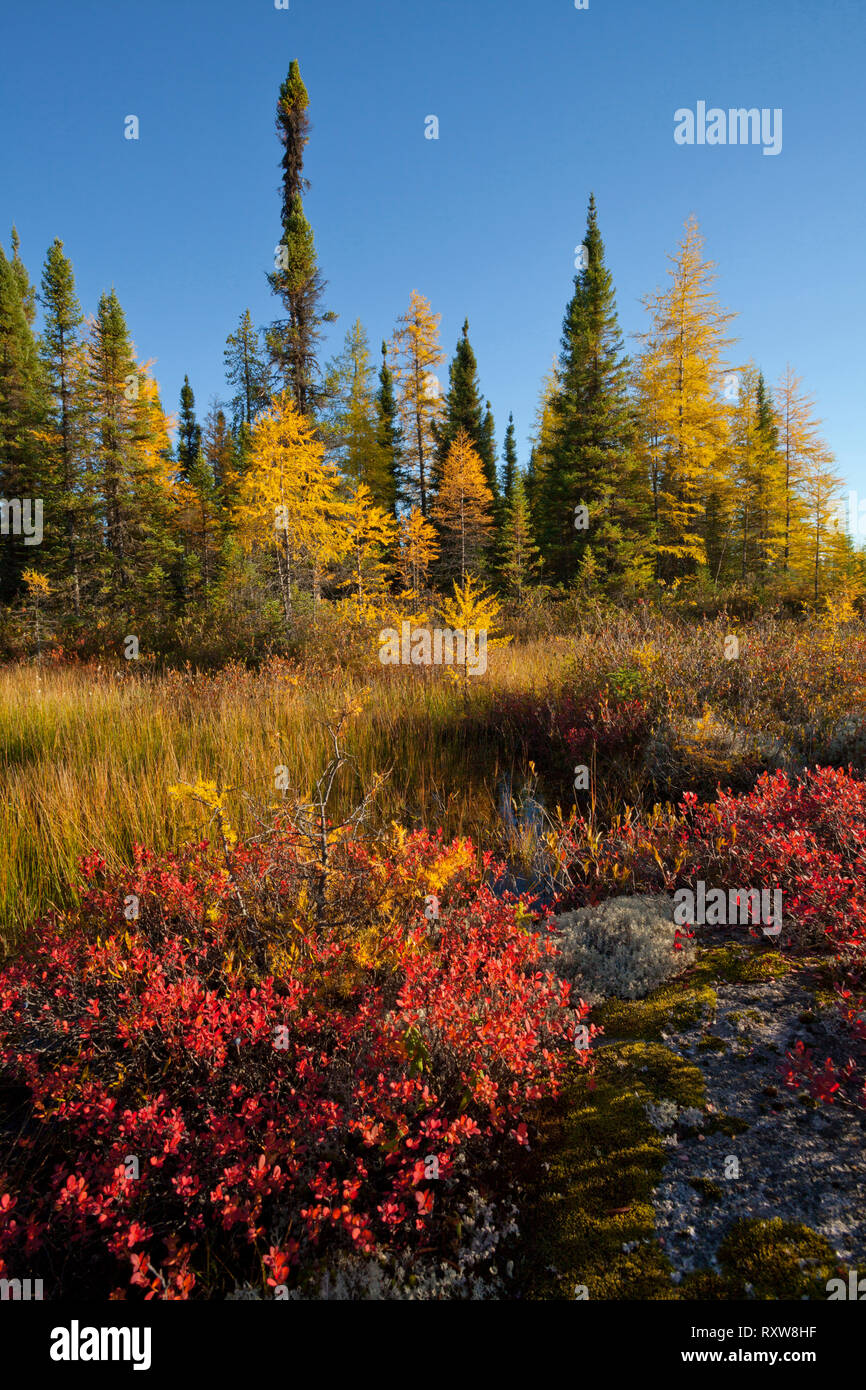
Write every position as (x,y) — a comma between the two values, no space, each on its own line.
(88,754)
(87,757)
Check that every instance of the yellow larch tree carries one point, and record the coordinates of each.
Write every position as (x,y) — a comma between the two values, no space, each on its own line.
(416,353)
(681,370)
(289,501)
(419,549)
(463,510)
(371,533)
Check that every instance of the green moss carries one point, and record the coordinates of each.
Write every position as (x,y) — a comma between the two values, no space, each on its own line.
(605,1160)
(709,1190)
(745,964)
(780,1259)
(726,1124)
(599,1161)
(676,1005)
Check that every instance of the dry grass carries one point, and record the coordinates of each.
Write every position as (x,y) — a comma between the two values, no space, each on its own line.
(87,755)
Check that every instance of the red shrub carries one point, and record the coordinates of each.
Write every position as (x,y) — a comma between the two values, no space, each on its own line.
(805,837)
(272,1119)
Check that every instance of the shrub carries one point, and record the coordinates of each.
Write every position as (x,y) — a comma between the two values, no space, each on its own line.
(806,837)
(230,1090)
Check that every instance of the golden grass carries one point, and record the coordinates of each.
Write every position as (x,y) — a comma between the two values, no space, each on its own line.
(87,757)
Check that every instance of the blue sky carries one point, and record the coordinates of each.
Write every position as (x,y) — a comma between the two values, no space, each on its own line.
(538,104)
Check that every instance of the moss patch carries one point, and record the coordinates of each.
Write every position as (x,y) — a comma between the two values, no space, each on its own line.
(676,1005)
(595,1196)
(598,1160)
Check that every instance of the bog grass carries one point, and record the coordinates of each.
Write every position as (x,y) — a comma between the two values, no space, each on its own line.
(88,753)
(87,757)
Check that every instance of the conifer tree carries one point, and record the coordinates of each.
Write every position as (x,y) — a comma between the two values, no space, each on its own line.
(247,373)
(416,353)
(289,505)
(819,493)
(154,550)
(188,432)
(25,288)
(462,408)
(390,435)
(590,461)
(418,551)
(371,534)
(200,523)
(25,475)
(509,458)
(113,388)
(520,559)
(351,425)
(220,450)
(296,279)
(680,375)
(798,443)
(462,511)
(62,356)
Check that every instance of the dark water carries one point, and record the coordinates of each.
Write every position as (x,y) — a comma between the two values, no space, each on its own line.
(519,813)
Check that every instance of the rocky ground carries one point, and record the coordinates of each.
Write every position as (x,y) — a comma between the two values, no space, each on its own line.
(686,1167)
(790,1159)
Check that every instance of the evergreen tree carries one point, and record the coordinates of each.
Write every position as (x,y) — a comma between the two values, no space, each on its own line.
(509,458)
(188,432)
(25,476)
(62,356)
(352,426)
(296,279)
(25,288)
(590,462)
(113,389)
(390,435)
(487,454)
(247,372)
(462,406)
(520,562)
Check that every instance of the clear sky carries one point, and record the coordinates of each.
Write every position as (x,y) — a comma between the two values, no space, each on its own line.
(538,104)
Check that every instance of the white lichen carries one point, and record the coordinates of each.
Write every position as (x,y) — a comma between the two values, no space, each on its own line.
(624,947)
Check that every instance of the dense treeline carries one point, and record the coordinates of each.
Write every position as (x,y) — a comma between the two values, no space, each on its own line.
(676,470)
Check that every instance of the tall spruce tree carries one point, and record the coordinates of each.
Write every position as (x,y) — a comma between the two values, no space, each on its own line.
(188,433)
(113,388)
(296,278)
(463,410)
(509,458)
(590,461)
(246,372)
(520,563)
(26,289)
(25,475)
(390,435)
(63,359)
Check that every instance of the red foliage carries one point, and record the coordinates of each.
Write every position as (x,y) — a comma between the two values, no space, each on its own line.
(274,1120)
(805,837)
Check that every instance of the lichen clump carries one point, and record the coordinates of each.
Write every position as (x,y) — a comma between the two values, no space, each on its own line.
(625,947)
